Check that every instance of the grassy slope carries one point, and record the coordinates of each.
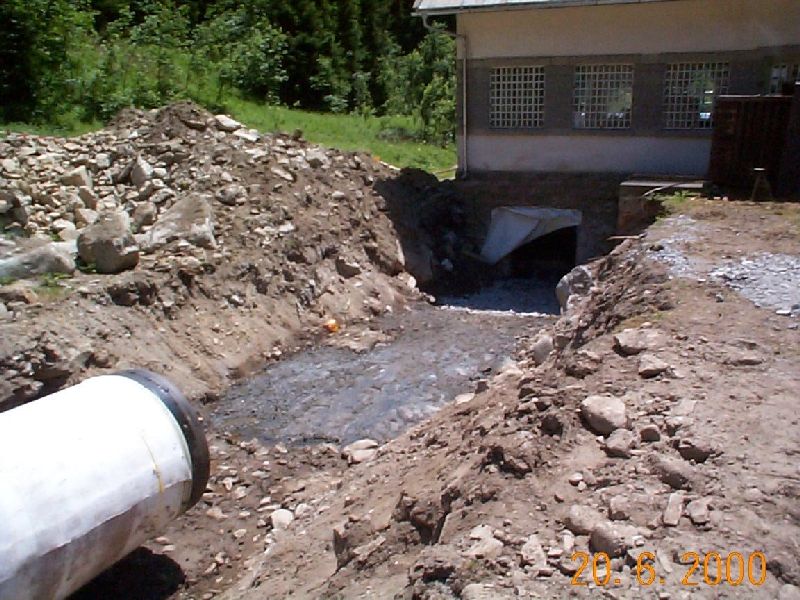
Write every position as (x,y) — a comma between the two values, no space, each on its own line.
(346,132)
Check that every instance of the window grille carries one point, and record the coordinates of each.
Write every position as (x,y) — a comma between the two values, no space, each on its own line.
(689,92)
(782,75)
(516,97)
(603,96)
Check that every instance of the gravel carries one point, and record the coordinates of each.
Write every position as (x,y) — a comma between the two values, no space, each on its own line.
(768,280)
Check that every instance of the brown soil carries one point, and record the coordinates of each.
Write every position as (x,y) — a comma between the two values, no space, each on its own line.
(482,500)
(405,524)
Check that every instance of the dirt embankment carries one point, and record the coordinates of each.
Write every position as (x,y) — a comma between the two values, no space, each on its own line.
(663,424)
(204,249)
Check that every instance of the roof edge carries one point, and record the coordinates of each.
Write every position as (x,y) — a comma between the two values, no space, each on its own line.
(523,5)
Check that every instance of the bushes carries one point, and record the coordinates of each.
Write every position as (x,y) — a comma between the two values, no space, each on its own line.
(67,59)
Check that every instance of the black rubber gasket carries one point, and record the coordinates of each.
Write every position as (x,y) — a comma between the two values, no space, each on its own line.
(188,421)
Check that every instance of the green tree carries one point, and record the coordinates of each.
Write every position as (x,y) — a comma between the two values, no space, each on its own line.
(40,56)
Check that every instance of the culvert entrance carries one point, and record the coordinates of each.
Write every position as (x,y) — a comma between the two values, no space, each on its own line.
(525,253)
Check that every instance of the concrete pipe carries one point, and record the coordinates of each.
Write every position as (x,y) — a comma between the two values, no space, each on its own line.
(88,474)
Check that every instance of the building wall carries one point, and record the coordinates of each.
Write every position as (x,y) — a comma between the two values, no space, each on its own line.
(750,35)
(648,28)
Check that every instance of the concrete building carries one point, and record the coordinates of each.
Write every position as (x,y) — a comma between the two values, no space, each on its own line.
(609,86)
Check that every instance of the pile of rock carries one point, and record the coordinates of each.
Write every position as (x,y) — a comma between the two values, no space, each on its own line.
(148,180)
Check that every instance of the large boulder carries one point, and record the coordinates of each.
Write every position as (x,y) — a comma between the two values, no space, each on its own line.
(50,258)
(108,243)
(191,219)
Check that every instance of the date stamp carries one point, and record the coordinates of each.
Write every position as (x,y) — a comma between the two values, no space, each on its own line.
(709,569)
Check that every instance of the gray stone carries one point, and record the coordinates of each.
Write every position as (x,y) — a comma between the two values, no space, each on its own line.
(533,554)
(613,538)
(77,177)
(88,197)
(581,520)
(317,158)
(143,215)
(141,172)
(85,216)
(698,511)
(674,510)
(618,508)
(232,194)
(109,244)
(604,414)
(190,219)
(789,592)
(696,449)
(225,123)
(4,314)
(281,518)
(283,174)
(542,348)
(65,229)
(248,135)
(50,258)
(635,341)
(487,547)
(577,282)
(360,451)
(651,366)
(620,443)
(676,473)
(347,268)
(650,433)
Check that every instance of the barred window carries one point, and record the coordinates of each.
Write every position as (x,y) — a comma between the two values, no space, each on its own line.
(516,96)
(603,96)
(689,92)
(783,75)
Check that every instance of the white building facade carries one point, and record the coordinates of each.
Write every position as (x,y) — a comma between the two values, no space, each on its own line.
(618,86)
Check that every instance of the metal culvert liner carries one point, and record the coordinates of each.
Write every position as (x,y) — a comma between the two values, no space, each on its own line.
(89,473)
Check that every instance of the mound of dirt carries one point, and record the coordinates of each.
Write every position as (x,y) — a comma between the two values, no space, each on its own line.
(219,247)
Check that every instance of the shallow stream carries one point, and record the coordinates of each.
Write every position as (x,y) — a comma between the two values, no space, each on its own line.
(427,355)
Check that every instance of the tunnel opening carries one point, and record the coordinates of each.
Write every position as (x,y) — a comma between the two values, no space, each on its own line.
(550,256)
(525,253)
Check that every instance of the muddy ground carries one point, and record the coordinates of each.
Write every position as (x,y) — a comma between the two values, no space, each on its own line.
(493,495)
(664,420)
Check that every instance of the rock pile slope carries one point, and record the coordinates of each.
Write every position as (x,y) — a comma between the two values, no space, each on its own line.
(187,242)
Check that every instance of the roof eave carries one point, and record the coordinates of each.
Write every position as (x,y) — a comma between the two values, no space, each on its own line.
(524,6)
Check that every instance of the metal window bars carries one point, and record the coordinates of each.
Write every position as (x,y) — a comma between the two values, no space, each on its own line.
(689,92)
(603,97)
(516,96)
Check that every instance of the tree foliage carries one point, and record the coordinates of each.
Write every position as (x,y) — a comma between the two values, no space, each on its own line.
(97,56)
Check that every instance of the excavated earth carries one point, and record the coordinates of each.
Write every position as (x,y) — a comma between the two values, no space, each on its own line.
(657,417)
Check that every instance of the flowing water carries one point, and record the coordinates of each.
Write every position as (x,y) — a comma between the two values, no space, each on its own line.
(430,355)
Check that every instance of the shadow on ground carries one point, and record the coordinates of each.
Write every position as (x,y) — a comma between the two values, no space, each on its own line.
(142,575)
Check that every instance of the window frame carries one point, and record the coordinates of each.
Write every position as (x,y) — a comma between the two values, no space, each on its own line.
(509,106)
(599,80)
(678,95)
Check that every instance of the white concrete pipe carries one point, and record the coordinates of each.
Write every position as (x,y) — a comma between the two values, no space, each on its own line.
(88,474)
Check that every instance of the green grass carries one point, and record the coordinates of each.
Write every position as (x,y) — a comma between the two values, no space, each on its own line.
(69,128)
(386,138)
(348,132)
